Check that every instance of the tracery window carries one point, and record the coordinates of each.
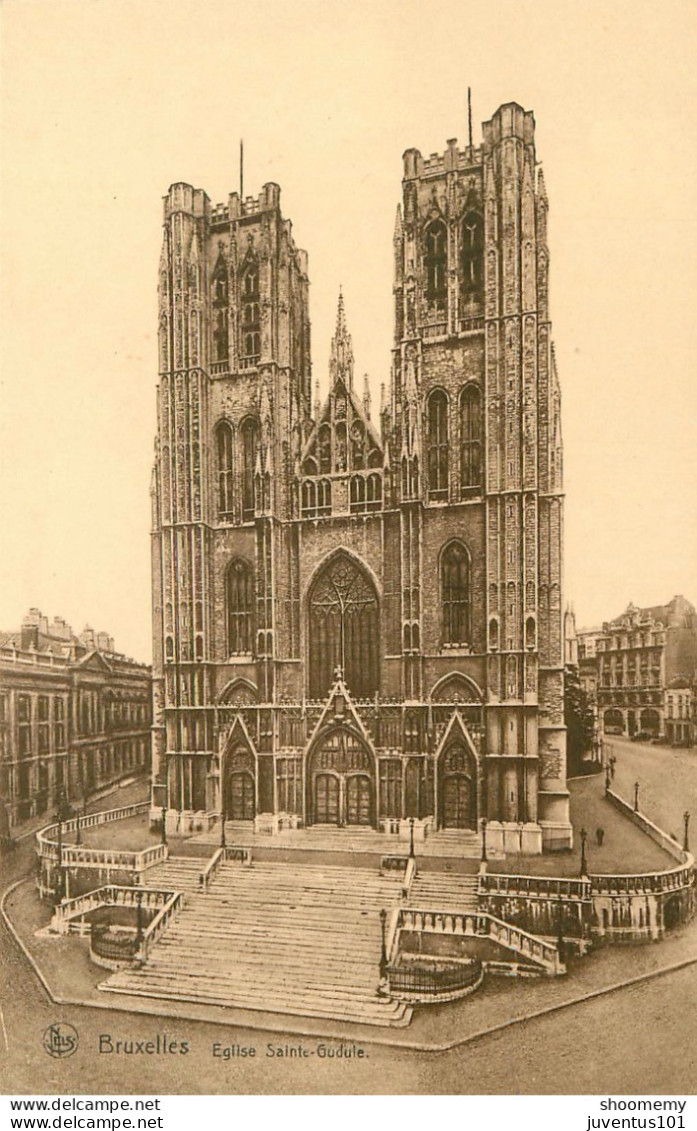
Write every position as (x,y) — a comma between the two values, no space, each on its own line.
(438,445)
(470,439)
(455,595)
(250,325)
(220,336)
(250,449)
(343,628)
(224,441)
(240,607)
(390,787)
(472,253)
(435,262)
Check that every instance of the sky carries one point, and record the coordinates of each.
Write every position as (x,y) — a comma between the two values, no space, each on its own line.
(105,103)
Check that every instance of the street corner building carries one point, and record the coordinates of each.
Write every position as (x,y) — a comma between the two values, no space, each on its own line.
(358,614)
(75,717)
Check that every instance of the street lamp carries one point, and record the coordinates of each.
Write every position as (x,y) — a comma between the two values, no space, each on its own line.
(139,919)
(163,832)
(59,875)
(584,837)
(383,950)
(483,824)
(411,838)
(686,822)
(636,796)
(560,929)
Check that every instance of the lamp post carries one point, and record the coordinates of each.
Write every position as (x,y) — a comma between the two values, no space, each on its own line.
(686,822)
(560,929)
(483,824)
(139,918)
(163,831)
(383,949)
(584,837)
(411,838)
(636,796)
(59,875)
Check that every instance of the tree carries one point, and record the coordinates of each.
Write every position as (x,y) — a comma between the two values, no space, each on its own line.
(578,717)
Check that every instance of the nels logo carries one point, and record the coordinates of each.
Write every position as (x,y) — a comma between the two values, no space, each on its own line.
(60,1039)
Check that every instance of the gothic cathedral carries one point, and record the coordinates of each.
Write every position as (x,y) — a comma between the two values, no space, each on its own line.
(358,617)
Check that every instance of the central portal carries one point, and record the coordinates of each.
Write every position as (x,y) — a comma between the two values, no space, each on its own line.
(341,781)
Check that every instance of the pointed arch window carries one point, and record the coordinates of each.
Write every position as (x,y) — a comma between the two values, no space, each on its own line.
(470,439)
(455,595)
(473,253)
(438,445)
(250,451)
(344,628)
(250,323)
(220,336)
(324,448)
(435,262)
(240,607)
(224,444)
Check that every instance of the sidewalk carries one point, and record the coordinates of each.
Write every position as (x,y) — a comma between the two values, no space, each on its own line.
(625,849)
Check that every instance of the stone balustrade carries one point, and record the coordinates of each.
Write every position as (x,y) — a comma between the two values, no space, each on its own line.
(160,923)
(110,895)
(475,924)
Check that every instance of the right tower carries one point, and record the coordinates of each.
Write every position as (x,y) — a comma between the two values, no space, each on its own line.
(475,429)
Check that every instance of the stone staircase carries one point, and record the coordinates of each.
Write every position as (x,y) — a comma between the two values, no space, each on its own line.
(282,938)
(441,891)
(178,873)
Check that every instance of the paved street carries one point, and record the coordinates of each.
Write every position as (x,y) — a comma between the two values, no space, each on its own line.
(667,779)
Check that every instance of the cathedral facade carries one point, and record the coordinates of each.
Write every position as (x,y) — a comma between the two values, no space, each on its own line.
(358,615)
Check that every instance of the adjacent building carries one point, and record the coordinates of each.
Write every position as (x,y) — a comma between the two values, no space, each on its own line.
(646,664)
(358,618)
(74,716)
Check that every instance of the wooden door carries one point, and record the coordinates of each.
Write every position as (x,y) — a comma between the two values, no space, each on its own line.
(457,802)
(358,800)
(241,797)
(326,799)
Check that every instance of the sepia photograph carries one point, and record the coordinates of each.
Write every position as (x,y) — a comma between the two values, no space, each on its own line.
(348,467)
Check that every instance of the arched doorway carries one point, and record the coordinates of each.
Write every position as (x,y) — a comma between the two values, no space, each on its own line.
(613,722)
(341,781)
(239,791)
(650,722)
(343,629)
(457,788)
(240,796)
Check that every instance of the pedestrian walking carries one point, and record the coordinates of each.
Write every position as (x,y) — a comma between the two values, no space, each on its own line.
(600,836)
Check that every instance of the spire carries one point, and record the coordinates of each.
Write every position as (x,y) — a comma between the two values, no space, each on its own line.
(398,226)
(541,187)
(341,358)
(366,396)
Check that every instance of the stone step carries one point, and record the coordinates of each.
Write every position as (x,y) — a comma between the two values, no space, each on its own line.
(380,1014)
(301,939)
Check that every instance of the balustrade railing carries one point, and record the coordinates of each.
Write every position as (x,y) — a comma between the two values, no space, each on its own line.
(110,895)
(47,839)
(497,883)
(160,923)
(238,854)
(478,924)
(209,872)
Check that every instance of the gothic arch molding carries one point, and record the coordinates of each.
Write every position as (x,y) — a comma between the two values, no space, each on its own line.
(342,614)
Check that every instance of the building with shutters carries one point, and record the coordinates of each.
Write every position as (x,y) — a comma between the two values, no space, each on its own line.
(357,615)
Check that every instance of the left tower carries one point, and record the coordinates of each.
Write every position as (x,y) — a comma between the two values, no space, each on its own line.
(233,408)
